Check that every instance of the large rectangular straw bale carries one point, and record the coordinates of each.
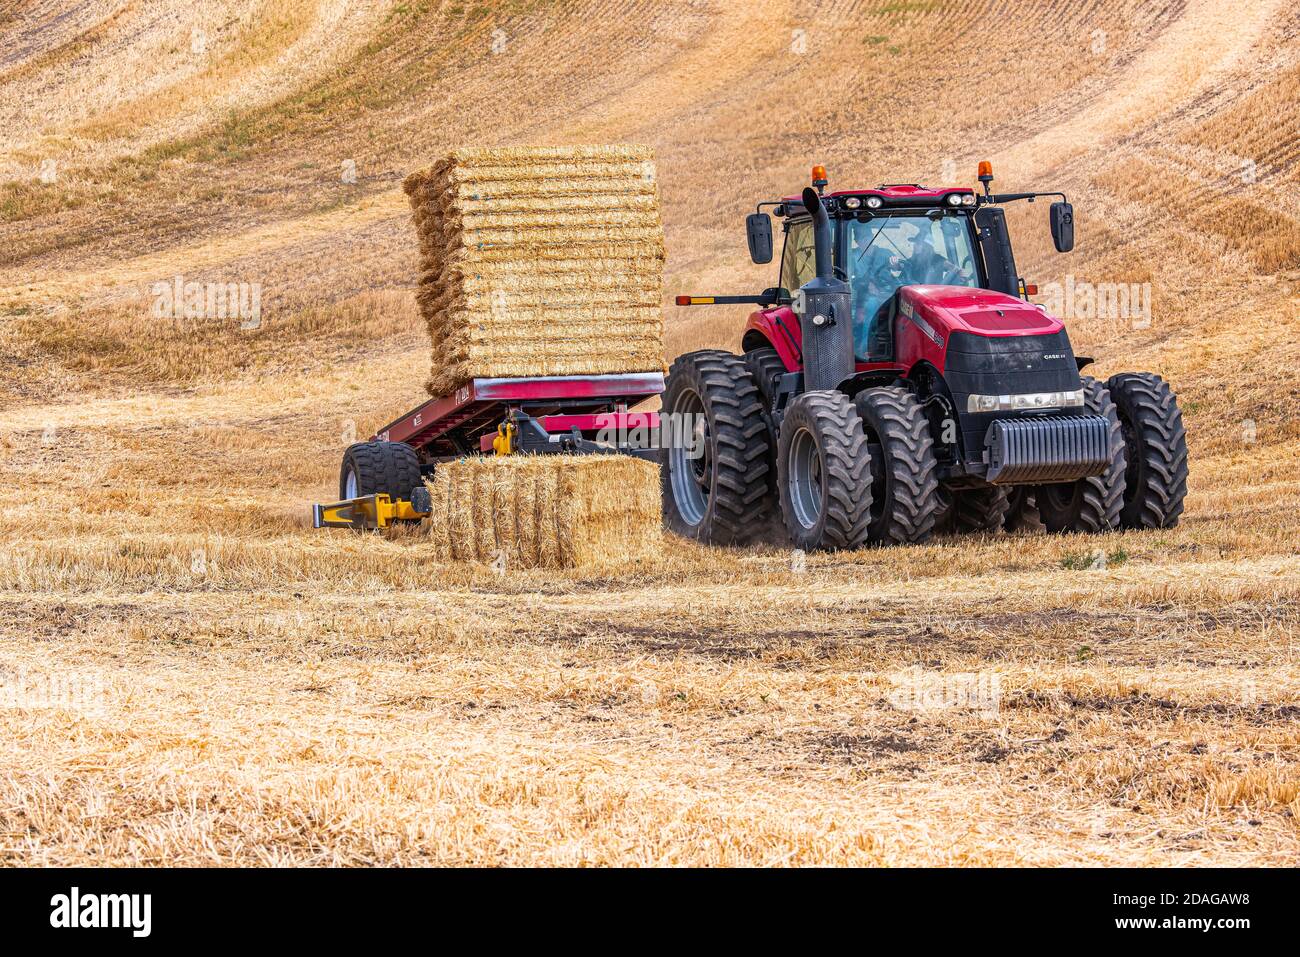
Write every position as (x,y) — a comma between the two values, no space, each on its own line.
(546,511)
(539,261)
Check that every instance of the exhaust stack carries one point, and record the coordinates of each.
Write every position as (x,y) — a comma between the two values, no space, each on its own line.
(824,305)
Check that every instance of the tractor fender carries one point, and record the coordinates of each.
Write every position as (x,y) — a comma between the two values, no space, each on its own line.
(778,328)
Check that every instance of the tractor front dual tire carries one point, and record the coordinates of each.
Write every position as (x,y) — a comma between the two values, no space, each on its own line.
(904,486)
(1092,504)
(374,468)
(721,495)
(1155,444)
(824,473)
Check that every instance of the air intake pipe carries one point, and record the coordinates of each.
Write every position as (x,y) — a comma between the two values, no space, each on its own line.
(825,308)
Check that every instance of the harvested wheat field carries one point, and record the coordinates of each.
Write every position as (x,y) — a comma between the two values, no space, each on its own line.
(189,674)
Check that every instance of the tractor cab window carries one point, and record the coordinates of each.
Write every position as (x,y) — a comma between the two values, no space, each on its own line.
(887,252)
(798,261)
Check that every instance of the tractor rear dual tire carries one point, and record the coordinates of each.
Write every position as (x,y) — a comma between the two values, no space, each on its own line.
(766,368)
(980,510)
(1022,511)
(721,496)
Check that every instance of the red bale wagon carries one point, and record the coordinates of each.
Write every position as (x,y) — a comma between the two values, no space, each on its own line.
(381,481)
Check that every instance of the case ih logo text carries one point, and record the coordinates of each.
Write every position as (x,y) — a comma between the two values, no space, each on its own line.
(75,909)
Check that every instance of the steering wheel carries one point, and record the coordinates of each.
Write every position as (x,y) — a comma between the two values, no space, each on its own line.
(883,273)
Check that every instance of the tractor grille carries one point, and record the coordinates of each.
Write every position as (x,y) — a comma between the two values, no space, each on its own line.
(1058,449)
(1004,365)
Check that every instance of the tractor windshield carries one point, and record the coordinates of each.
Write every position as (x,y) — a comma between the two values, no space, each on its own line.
(886,252)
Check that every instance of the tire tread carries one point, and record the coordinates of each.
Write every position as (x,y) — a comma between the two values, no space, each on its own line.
(1146,401)
(742,472)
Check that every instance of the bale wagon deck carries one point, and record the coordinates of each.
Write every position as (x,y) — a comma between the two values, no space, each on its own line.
(555,414)
(465,422)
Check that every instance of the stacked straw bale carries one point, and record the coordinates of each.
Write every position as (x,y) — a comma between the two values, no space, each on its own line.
(546,511)
(540,261)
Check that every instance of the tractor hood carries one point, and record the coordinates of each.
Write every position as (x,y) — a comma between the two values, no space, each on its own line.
(982,312)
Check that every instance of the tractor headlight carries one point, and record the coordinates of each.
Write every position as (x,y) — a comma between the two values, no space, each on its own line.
(954,199)
(1025,402)
(968,199)
(874,202)
(852,202)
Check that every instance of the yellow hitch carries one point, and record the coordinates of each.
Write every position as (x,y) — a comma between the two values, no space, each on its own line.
(369,511)
(504,443)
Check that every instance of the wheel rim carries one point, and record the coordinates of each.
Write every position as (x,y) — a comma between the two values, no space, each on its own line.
(805,481)
(692,478)
(350,485)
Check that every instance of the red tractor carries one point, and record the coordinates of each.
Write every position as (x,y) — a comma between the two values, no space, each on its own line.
(897,381)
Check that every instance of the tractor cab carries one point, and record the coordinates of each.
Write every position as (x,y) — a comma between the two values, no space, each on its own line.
(884,239)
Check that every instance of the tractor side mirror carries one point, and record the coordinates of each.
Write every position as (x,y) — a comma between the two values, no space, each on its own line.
(758,231)
(1061,219)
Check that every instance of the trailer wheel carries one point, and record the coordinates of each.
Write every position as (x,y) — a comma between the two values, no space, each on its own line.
(904,489)
(971,510)
(824,472)
(720,495)
(1090,504)
(1155,443)
(371,468)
